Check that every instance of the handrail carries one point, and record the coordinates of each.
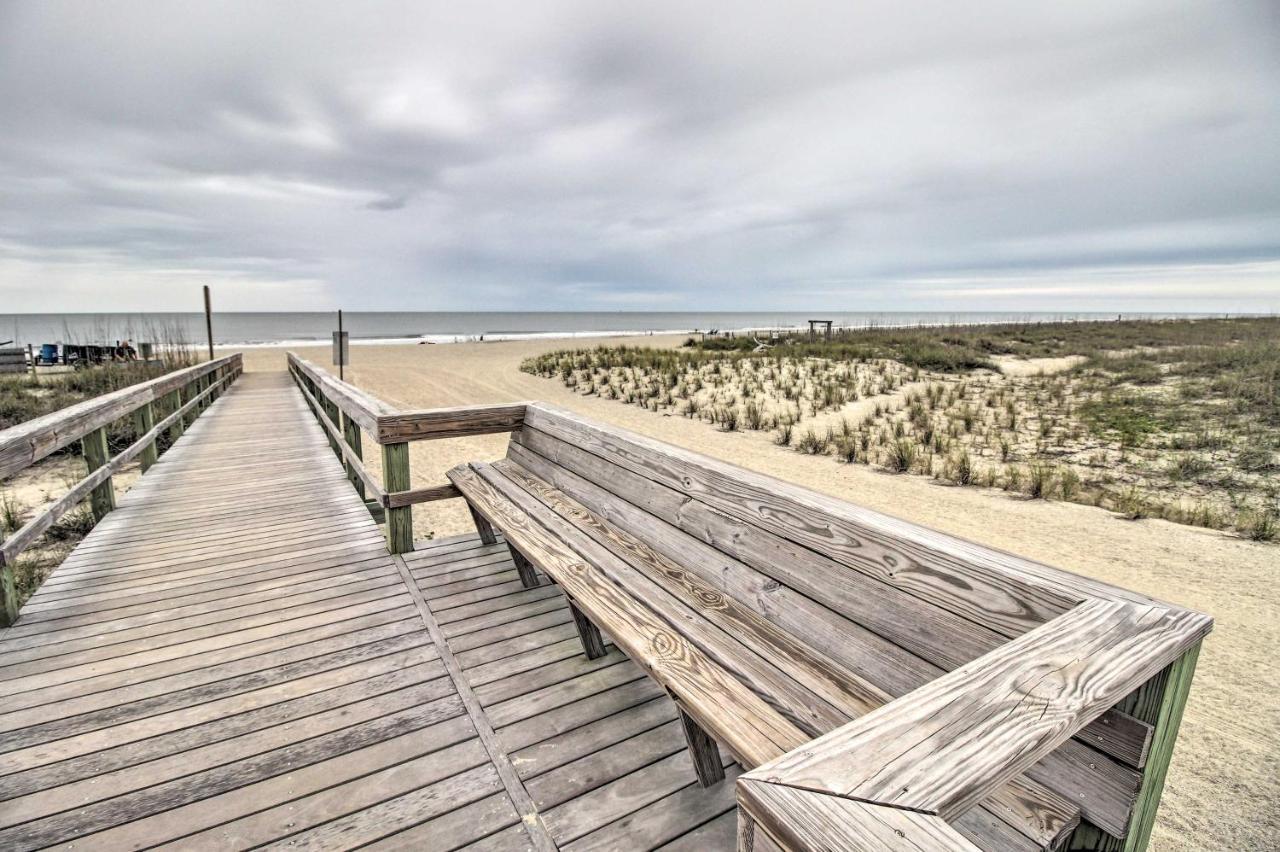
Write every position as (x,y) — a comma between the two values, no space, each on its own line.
(343,410)
(25,444)
(938,751)
(389,425)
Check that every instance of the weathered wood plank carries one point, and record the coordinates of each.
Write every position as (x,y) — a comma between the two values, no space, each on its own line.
(396,477)
(449,422)
(804,821)
(355,403)
(753,731)
(703,751)
(1032,809)
(1015,705)
(414,496)
(770,567)
(991,588)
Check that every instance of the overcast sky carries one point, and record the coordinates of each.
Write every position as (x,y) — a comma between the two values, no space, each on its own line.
(687,156)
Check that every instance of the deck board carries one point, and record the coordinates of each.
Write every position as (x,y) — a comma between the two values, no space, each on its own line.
(232,659)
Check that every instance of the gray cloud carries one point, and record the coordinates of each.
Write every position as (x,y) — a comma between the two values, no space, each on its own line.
(585,155)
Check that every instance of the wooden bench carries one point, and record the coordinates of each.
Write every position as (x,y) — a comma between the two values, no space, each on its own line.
(885,685)
(876,676)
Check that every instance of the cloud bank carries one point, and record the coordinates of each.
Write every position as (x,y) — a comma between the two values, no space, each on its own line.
(560,156)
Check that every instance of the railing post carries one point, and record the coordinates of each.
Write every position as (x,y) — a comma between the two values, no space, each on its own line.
(96,454)
(173,403)
(1159,702)
(185,395)
(143,421)
(395,477)
(9,590)
(330,410)
(351,431)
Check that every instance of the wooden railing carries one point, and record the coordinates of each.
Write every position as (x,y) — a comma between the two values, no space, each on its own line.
(344,411)
(179,396)
(898,776)
(904,775)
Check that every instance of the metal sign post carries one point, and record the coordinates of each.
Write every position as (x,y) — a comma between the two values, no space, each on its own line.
(341,349)
(208,320)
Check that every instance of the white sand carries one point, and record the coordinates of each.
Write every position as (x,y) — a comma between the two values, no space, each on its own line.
(1222,790)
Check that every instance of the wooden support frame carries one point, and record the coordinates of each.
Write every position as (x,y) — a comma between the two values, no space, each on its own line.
(96,455)
(483,528)
(1108,638)
(1160,702)
(592,640)
(528,574)
(903,758)
(173,402)
(396,476)
(143,422)
(351,433)
(344,411)
(703,751)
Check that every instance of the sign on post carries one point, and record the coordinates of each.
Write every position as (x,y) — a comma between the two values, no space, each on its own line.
(341,348)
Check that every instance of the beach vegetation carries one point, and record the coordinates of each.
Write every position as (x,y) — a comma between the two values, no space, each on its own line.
(1182,414)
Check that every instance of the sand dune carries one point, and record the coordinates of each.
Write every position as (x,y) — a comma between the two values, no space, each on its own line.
(1222,791)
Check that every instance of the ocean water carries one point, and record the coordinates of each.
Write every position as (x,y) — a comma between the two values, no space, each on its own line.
(284,329)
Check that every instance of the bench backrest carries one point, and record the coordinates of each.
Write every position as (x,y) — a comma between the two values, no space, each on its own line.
(908,603)
(897,603)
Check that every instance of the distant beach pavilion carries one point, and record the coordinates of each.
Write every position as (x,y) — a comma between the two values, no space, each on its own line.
(814,323)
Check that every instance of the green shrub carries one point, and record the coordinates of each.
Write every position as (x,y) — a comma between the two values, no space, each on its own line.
(902,455)
(1040,481)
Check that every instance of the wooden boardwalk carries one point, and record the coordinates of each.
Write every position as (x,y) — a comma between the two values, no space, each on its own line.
(232,659)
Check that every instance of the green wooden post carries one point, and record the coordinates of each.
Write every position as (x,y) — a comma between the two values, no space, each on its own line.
(335,417)
(351,431)
(1158,702)
(9,590)
(174,402)
(143,421)
(96,454)
(395,477)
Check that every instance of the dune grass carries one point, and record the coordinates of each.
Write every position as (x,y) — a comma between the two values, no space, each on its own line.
(1172,419)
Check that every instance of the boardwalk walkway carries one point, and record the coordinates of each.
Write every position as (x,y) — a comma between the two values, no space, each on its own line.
(232,659)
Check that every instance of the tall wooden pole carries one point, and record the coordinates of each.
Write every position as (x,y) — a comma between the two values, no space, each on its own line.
(208,320)
(342,355)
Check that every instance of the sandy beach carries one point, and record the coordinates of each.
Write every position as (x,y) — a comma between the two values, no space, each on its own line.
(1221,792)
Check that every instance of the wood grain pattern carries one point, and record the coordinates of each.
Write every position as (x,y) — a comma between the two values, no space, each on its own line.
(996,589)
(1013,706)
(714,698)
(398,499)
(1030,808)
(449,422)
(396,476)
(803,821)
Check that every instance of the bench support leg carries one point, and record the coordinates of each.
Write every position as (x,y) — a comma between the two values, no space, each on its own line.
(528,575)
(703,750)
(592,641)
(482,526)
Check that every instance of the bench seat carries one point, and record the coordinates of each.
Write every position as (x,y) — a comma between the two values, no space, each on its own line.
(773,615)
(733,674)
